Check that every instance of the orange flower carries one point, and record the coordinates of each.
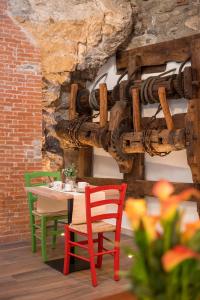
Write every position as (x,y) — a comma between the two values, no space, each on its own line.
(169,205)
(162,189)
(190,230)
(168,210)
(135,209)
(150,223)
(177,255)
(187,194)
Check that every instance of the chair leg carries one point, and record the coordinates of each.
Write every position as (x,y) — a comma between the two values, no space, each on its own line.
(116,264)
(67,251)
(92,262)
(93,271)
(55,228)
(100,249)
(44,237)
(33,237)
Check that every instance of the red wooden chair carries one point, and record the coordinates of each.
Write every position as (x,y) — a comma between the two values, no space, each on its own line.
(94,224)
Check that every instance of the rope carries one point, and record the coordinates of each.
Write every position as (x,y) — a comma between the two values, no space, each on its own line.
(92,99)
(146,91)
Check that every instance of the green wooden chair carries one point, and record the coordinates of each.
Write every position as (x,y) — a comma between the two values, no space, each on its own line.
(40,222)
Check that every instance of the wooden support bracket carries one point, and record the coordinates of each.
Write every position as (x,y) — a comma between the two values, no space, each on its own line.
(136,110)
(165,108)
(103,104)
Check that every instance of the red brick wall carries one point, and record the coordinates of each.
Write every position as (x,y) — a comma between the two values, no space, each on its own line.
(20,124)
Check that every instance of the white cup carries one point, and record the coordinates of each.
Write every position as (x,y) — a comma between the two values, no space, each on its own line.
(57,185)
(68,187)
(82,184)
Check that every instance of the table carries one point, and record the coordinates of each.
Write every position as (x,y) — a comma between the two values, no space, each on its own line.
(48,193)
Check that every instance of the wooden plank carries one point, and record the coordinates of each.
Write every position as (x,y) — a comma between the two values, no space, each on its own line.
(156,54)
(24,276)
(120,296)
(72,104)
(103,104)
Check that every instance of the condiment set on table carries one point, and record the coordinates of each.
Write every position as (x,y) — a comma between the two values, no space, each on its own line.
(70,186)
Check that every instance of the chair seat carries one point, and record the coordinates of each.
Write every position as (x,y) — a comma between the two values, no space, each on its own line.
(50,214)
(96,227)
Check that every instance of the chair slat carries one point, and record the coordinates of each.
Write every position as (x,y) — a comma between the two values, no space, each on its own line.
(104,202)
(104,216)
(104,188)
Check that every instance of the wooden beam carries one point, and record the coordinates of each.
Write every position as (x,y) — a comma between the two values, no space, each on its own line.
(160,140)
(137,188)
(103,104)
(158,54)
(178,120)
(193,120)
(72,104)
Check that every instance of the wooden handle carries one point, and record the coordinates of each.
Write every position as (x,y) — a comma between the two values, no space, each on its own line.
(136,110)
(103,104)
(165,108)
(72,104)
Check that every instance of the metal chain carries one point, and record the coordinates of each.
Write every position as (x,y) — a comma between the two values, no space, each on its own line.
(74,127)
(146,136)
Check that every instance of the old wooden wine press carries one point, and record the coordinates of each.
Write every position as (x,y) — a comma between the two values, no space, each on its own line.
(127,135)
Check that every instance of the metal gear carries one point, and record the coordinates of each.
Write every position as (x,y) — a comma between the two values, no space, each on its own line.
(122,127)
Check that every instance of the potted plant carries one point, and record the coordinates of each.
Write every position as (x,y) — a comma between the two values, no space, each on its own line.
(70,173)
(166,253)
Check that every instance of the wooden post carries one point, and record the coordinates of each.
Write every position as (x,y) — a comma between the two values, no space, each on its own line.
(138,168)
(103,104)
(193,120)
(165,108)
(72,104)
(136,110)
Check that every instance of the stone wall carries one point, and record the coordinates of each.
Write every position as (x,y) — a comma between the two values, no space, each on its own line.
(20,124)
(158,20)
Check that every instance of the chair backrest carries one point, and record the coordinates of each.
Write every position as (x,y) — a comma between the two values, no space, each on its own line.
(119,202)
(29,177)
(40,174)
